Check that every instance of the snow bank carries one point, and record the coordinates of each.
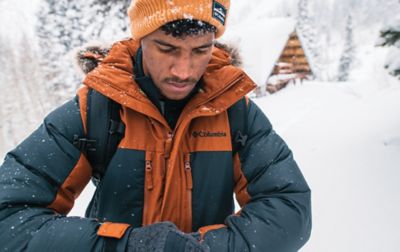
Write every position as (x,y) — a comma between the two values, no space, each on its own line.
(348,148)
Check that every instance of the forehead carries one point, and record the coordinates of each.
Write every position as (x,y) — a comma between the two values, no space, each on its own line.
(190,41)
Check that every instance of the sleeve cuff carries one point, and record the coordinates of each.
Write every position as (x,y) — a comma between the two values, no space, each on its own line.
(112,230)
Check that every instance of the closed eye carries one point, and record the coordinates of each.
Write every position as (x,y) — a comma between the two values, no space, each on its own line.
(166,49)
(203,49)
(200,51)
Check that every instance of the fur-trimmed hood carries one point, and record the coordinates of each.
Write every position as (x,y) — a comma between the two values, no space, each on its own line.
(110,72)
(90,56)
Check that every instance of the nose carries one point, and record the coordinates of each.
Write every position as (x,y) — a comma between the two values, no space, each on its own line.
(182,67)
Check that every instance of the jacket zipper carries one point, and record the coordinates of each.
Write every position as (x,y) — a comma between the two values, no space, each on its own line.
(188,172)
(186,210)
(187,200)
(149,170)
(168,145)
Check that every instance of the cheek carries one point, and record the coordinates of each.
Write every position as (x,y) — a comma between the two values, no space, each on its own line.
(158,67)
(202,64)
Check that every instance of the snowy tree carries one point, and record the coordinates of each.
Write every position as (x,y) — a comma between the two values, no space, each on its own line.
(346,58)
(110,20)
(5,59)
(307,31)
(38,73)
(59,30)
(390,36)
(30,80)
(22,99)
(65,25)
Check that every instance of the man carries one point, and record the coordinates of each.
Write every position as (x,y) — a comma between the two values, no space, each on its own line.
(169,185)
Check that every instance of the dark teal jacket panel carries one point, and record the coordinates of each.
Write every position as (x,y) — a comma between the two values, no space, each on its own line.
(30,178)
(120,195)
(278,216)
(213,187)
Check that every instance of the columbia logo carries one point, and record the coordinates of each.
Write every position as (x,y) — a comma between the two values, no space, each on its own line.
(208,134)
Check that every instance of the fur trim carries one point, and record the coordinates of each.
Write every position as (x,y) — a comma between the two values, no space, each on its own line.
(90,56)
(233,52)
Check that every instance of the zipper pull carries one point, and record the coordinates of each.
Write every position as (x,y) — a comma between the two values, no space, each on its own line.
(149,171)
(168,145)
(188,172)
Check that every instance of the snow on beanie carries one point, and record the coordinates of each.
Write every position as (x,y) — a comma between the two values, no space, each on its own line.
(147,16)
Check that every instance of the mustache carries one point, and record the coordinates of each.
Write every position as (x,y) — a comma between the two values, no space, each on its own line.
(181,81)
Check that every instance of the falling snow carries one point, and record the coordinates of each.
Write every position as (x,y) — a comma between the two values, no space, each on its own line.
(345,136)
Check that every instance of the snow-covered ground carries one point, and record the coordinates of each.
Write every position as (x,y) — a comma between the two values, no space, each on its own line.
(346,138)
(348,147)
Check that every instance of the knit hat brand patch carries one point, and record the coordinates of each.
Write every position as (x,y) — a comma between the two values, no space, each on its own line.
(219,12)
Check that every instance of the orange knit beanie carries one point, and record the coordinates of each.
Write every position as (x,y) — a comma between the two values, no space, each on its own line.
(147,16)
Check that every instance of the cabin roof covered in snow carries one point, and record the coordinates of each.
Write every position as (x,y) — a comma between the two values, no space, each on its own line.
(260,42)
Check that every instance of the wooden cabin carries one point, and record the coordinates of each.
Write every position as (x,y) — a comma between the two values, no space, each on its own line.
(272,52)
(293,56)
(292,65)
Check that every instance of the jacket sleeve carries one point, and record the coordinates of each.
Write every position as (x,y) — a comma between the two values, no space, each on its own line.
(275,198)
(39,182)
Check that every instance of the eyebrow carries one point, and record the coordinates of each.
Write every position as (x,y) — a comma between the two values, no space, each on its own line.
(160,42)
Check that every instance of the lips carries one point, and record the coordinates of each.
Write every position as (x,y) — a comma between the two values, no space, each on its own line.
(176,90)
(180,85)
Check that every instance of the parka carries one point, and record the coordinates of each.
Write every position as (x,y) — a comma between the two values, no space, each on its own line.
(187,175)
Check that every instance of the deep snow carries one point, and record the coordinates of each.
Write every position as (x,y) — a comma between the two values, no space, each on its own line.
(348,147)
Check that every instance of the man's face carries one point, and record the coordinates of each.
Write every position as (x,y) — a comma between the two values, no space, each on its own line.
(176,64)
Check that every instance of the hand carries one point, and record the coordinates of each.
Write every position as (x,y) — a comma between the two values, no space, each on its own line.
(163,237)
